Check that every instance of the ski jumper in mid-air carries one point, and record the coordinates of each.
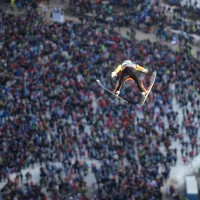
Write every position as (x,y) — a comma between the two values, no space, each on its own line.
(127,71)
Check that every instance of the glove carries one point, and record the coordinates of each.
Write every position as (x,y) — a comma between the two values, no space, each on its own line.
(113,74)
(145,70)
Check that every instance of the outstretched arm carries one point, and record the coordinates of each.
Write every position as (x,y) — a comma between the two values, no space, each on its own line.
(117,70)
(142,69)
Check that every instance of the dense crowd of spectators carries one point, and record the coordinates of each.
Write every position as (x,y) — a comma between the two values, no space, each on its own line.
(151,16)
(53,114)
(189,6)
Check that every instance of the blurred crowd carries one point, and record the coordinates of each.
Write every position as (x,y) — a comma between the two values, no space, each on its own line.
(53,114)
(167,22)
(190,6)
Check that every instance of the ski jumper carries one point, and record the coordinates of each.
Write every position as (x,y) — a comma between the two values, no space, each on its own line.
(128,72)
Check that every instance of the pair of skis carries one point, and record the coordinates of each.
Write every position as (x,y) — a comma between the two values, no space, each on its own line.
(142,100)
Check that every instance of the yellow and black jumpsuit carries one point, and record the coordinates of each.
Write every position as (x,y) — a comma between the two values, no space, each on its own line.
(128,72)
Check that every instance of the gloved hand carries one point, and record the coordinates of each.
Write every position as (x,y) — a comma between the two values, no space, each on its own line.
(145,70)
(113,74)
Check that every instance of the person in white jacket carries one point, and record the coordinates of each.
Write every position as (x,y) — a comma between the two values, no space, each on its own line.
(127,71)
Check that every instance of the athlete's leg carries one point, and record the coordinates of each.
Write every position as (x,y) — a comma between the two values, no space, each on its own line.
(122,78)
(139,83)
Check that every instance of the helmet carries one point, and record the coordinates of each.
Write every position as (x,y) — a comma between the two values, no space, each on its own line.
(126,62)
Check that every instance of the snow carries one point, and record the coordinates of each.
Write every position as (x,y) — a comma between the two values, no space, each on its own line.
(179,172)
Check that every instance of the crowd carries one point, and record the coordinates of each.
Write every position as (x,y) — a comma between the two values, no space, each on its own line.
(150,15)
(191,6)
(53,114)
